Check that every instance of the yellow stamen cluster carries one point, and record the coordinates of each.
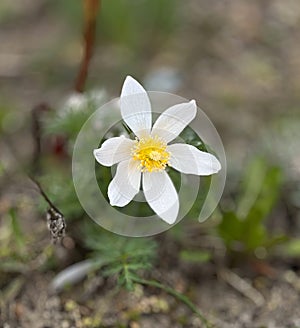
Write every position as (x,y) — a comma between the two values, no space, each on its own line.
(152,154)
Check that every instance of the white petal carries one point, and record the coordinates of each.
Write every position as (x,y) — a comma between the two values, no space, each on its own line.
(135,107)
(125,184)
(161,195)
(114,150)
(173,120)
(190,160)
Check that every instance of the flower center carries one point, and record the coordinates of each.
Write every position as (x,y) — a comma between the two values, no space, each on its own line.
(152,154)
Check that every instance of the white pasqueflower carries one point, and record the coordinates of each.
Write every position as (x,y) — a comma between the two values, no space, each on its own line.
(147,157)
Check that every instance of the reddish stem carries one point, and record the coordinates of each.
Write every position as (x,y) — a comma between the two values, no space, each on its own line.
(90,19)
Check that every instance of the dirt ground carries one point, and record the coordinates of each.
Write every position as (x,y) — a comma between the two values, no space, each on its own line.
(275,305)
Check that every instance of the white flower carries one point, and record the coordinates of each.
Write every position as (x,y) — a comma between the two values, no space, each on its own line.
(147,157)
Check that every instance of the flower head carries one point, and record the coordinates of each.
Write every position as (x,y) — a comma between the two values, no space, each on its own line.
(146,158)
(152,154)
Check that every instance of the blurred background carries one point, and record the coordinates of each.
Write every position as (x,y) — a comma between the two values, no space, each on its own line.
(240,60)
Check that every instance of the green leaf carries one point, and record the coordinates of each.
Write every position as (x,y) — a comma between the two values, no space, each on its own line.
(16,230)
(246,227)
(123,257)
(253,236)
(292,248)
(267,195)
(230,228)
(275,240)
(261,185)
(252,182)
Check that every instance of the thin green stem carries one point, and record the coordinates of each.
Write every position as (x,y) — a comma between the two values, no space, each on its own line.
(177,295)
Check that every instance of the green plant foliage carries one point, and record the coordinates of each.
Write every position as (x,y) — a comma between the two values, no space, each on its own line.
(13,241)
(17,231)
(69,119)
(120,256)
(244,229)
(126,258)
(15,244)
(69,124)
(292,248)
